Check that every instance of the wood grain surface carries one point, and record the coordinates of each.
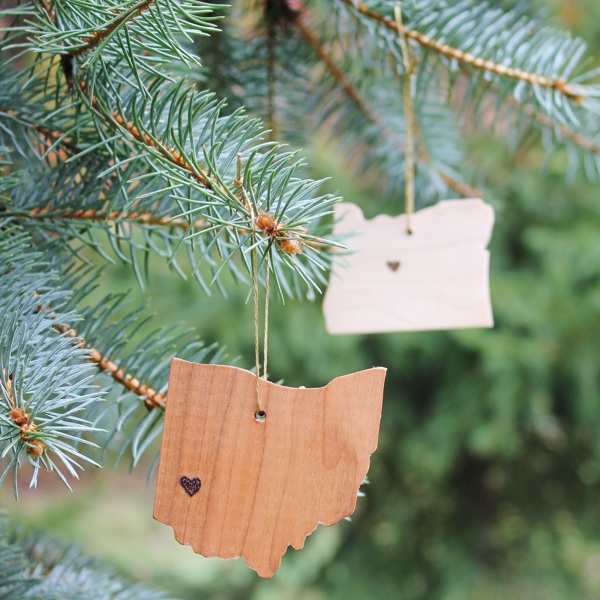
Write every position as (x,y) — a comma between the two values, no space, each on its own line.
(435,278)
(231,486)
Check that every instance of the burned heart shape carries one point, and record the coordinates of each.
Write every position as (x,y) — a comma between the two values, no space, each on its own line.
(393,264)
(191,486)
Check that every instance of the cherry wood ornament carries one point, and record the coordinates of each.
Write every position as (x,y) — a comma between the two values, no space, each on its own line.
(435,278)
(232,485)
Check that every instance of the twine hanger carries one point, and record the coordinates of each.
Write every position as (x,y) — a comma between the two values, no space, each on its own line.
(409,122)
(259,414)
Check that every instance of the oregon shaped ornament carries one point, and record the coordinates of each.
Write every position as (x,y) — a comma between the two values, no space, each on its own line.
(435,278)
(231,484)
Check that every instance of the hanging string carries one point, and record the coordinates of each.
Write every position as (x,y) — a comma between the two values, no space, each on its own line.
(259,408)
(266,332)
(409,123)
(260,413)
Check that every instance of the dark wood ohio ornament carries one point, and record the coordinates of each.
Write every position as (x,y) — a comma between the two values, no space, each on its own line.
(231,485)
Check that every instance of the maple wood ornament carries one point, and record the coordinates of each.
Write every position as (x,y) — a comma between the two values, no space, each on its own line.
(435,278)
(233,485)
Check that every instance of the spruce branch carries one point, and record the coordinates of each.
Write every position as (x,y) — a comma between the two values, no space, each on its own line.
(114,119)
(280,235)
(45,382)
(48,137)
(571,91)
(464,189)
(196,153)
(118,180)
(141,373)
(271,80)
(152,399)
(333,69)
(101,34)
(277,16)
(35,566)
(579,139)
(353,94)
(29,430)
(132,217)
(103,216)
(16,578)
(582,145)
(147,31)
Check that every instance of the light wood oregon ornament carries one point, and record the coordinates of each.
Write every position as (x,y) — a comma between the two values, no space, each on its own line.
(231,485)
(435,278)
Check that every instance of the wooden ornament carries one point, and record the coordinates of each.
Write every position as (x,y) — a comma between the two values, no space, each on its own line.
(435,278)
(231,484)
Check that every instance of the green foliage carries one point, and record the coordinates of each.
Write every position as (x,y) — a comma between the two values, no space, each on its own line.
(153,133)
(42,374)
(67,27)
(37,567)
(112,149)
(506,36)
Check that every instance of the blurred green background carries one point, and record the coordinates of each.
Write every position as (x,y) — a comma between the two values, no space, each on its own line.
(486,484)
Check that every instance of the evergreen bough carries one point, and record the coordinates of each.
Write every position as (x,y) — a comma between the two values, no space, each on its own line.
(169,127)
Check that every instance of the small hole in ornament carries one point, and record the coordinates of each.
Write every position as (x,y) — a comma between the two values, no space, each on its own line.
(260,416)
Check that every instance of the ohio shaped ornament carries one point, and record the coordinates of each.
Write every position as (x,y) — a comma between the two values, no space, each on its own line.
(233,485)
(436,277)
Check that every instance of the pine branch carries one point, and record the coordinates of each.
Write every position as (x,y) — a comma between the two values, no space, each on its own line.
(35,566)
(333,69)
(101,34)
(112,217)
(116,217)
(579,139)
(45,382)
(152,399)
(49,137)
(145,30)
(352,93)
(283,239)
(560,85)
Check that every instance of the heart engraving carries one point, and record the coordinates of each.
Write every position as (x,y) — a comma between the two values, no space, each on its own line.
(393,264)
(191,486)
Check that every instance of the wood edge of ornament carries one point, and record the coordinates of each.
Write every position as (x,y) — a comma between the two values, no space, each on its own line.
(348,219)
(249,374)
(344,211)
(179,368)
